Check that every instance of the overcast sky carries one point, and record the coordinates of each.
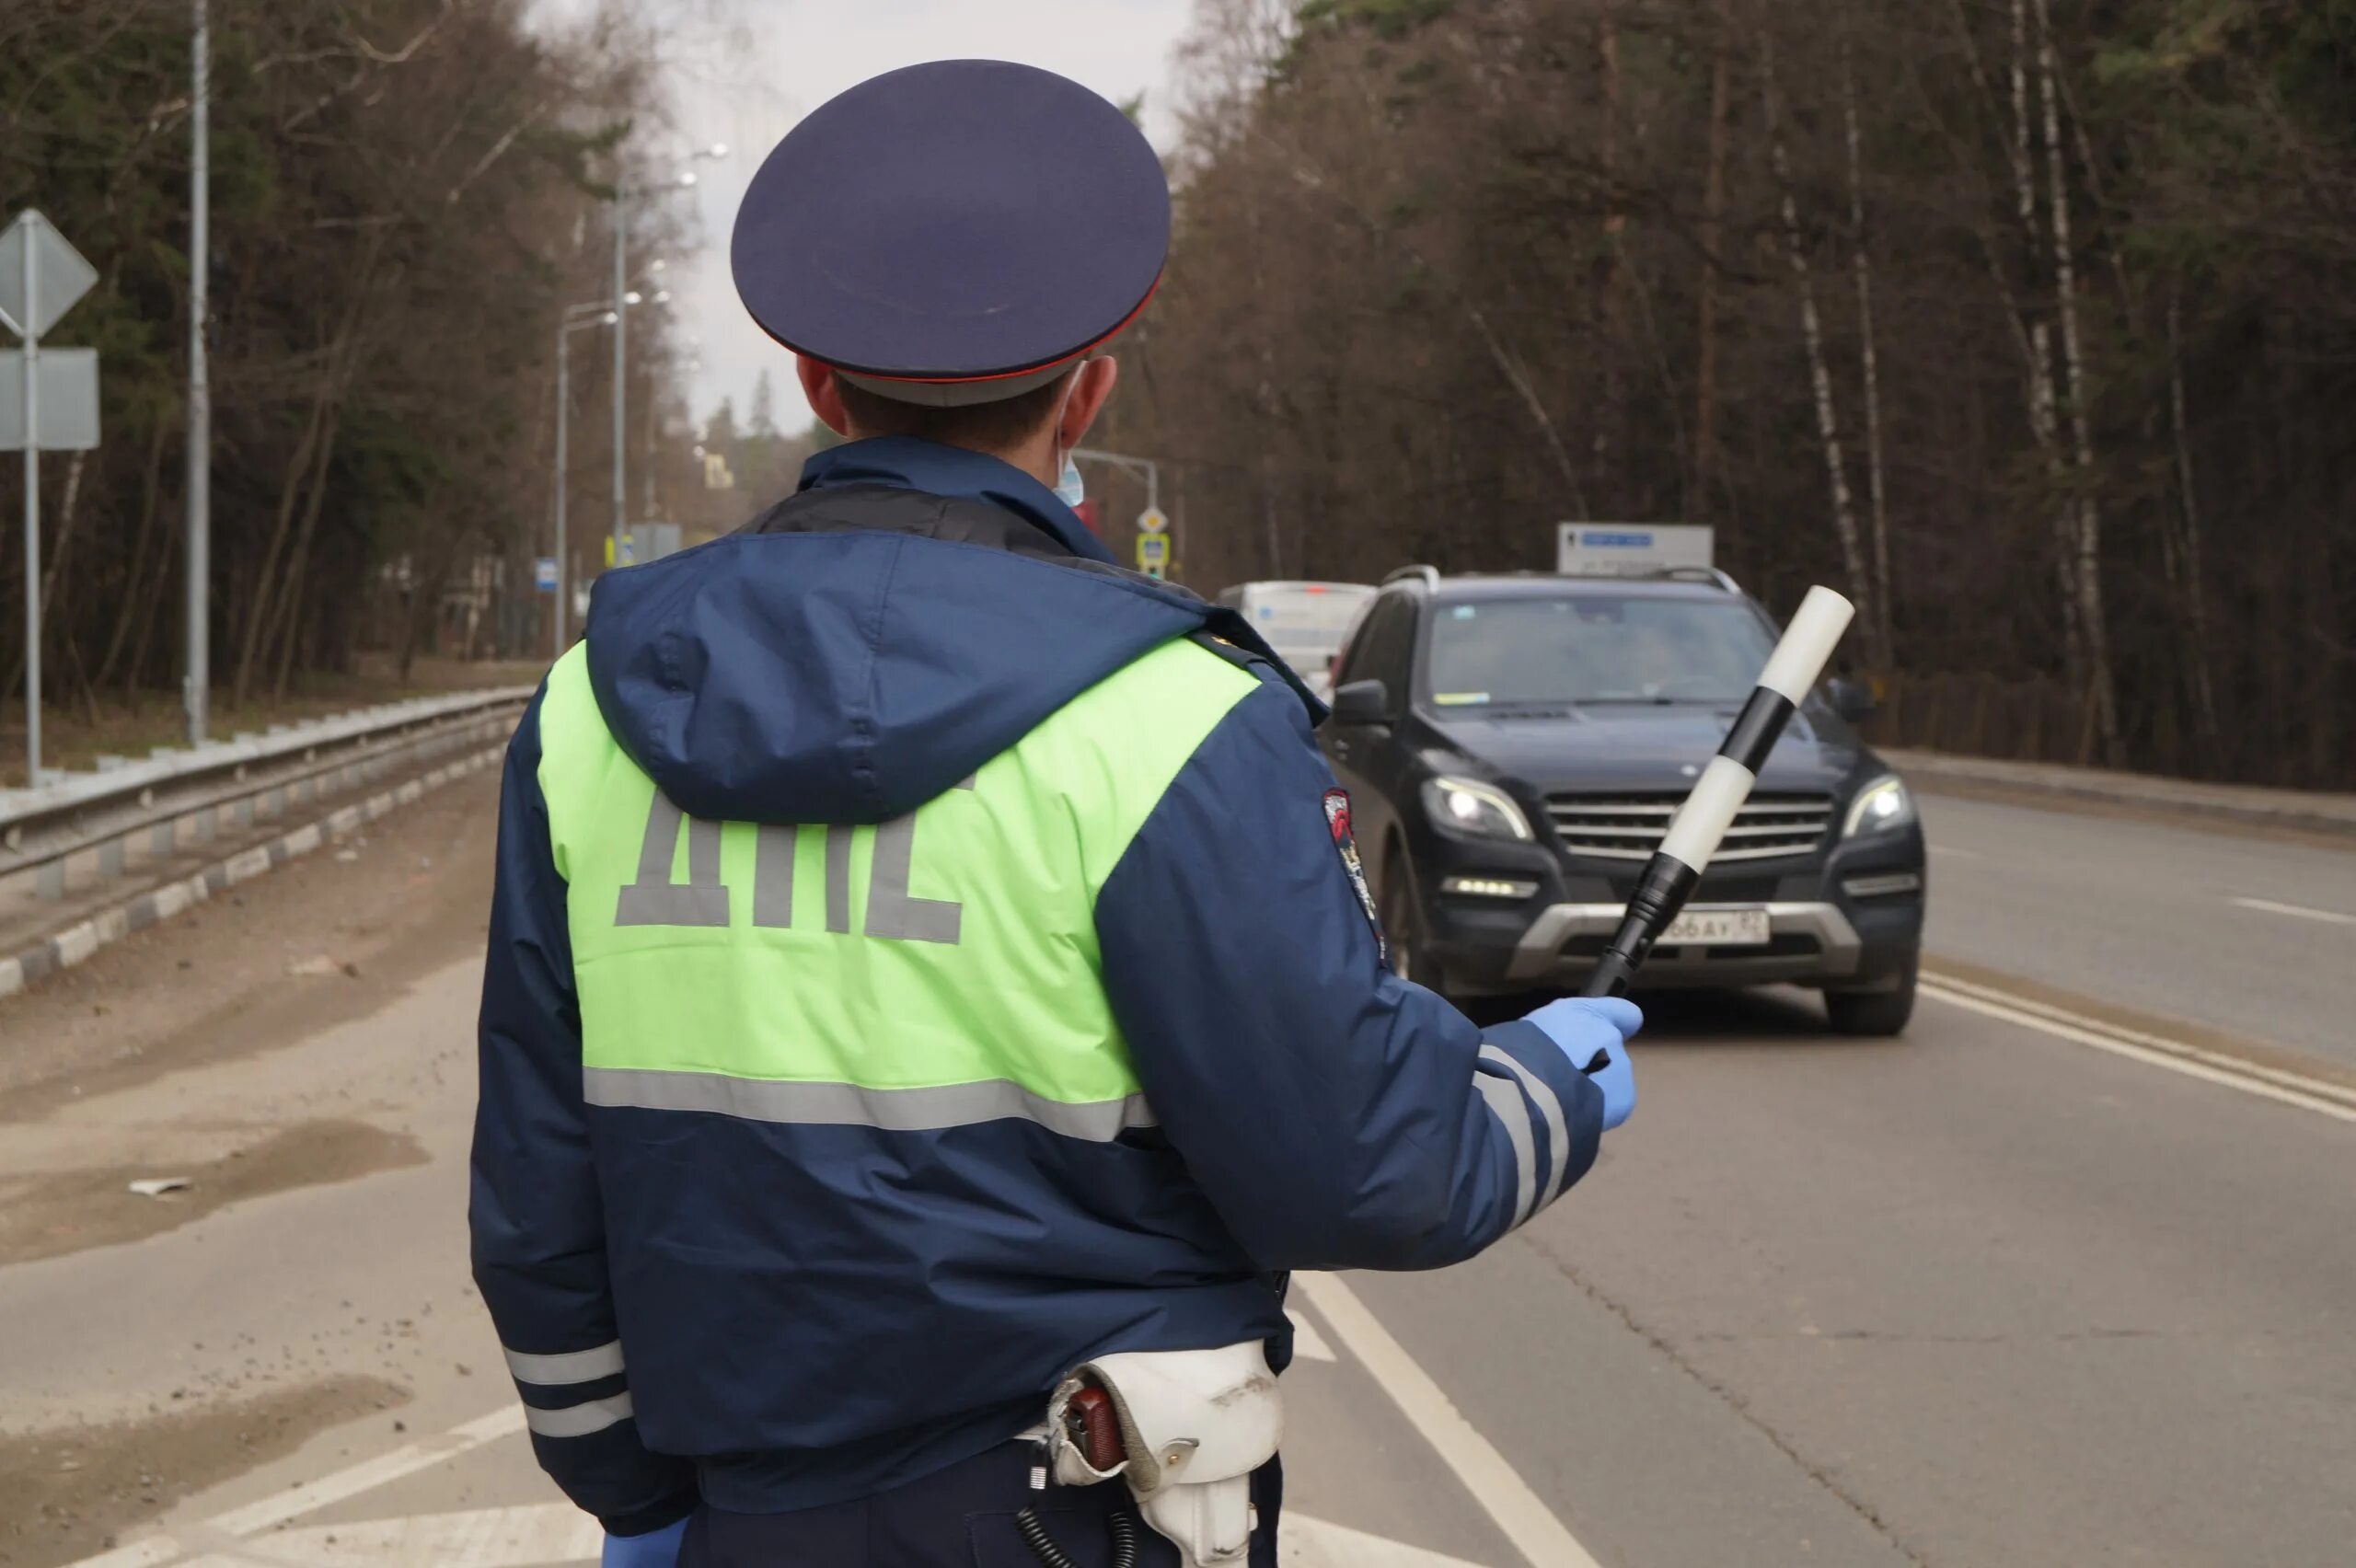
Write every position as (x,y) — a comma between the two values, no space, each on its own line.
(743,72)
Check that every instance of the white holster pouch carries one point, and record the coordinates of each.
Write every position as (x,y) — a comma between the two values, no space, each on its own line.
(1194,1425)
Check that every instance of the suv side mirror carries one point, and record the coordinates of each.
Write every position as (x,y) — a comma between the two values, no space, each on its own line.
(1362,702)
(1854,700)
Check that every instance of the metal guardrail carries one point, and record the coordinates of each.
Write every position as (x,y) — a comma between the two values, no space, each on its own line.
(43,829)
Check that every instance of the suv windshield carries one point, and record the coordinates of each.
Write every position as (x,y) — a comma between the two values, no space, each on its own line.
(1590,647)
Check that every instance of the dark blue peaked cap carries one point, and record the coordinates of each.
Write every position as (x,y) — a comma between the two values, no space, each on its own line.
(955,233)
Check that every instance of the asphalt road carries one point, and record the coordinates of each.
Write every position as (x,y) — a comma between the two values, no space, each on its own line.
(2248,934)
(2008,1291)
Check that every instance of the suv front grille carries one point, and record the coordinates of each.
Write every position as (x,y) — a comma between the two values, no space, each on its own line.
(1630,828)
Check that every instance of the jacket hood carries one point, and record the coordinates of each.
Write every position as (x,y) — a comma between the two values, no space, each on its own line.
(851,675)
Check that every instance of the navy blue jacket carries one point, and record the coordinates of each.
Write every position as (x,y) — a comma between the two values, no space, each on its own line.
(1314,1111)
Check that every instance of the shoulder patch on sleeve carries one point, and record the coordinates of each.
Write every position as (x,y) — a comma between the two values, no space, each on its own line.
(1345,844)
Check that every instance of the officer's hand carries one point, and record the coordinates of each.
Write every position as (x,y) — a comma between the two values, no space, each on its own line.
(1583,1026)
(659,1549)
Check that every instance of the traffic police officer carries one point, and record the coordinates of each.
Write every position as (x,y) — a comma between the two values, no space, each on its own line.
(927,958)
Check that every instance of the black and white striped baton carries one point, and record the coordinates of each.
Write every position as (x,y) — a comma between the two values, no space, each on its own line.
(1693,833)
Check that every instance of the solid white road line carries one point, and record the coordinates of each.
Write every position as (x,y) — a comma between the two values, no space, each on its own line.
(2323,1098)
(2298,911)
(522,1536)
(146,1553)
(367,1476)
(535,1534)
(1493,1482)
(296,1501)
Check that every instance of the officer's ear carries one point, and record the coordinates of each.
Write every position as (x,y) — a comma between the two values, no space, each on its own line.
(1091,387)
(825,392)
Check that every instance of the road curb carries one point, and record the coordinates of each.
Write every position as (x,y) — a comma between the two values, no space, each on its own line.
(76,943)
(2248,805)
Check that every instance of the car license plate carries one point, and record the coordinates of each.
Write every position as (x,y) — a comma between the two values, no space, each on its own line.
(1717,928)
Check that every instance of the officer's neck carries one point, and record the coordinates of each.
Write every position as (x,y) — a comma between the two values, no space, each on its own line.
(1036,456)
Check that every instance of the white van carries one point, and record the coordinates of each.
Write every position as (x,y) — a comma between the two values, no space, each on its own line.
(1304,622)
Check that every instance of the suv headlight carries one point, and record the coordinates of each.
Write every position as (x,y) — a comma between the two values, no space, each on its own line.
(1880,806)
(1482,809)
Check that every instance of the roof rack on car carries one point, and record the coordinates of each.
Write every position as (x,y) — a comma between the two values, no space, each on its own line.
(1710,574)
(1702,574)
(1427,575)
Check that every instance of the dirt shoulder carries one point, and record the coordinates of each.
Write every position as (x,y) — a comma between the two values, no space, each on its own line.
(268,1048)
(215,982)
(70,1490)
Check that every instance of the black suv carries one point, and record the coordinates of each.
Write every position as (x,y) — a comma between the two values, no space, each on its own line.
(1514,747)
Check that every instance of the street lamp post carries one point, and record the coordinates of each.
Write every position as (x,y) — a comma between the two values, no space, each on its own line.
(1145,469)
(578,318)
(621,337)
(197,677)
(685,179)
(653,410)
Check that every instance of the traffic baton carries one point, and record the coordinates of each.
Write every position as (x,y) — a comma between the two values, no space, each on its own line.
(1694,833)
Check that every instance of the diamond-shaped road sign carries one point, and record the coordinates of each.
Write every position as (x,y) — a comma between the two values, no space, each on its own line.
(62,277)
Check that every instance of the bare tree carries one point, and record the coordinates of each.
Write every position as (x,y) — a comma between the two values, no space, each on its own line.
(1710,233)
(1875,487)
(2086,563)
(1828,418)
(1491,262)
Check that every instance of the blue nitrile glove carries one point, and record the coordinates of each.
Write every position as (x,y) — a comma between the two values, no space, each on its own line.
(1584,1026)
(657,1549)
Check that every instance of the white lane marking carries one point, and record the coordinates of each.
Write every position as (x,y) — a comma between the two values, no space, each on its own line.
(1303,1542)
(293,1502)
(1952,853)
(536,1534)
(138,1554)
(540,1534)
(2299,911)
(2322,1097)
(525,1537)
(1308,1345)
(1493,1482)
(255,1518)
